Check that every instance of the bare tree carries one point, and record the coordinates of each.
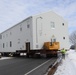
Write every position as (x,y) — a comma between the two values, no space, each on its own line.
(72,38)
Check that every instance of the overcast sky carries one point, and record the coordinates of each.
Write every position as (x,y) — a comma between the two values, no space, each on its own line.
(14,11)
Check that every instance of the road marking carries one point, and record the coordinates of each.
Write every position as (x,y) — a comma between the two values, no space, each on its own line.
(36,67)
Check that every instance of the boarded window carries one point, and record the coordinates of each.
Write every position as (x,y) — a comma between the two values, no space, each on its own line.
(52,25)
(10,44)
(0,36)
(6,44)
(28,23)
(20,27)
(3,36)
(10,33)
(18,41)
(28,26)
(3,45)
(36,46)
(6,35)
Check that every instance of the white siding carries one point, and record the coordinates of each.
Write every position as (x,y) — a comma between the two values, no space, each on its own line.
(36,30)
(44,32)
(18,35)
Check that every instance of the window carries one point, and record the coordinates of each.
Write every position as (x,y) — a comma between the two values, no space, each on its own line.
(10,44)
(6,44)
(63,24)
(36,46)
(63,37)
(10,33)
(18,41)
(20,28)
(6,35)
(28,23)
(28,26)
(3,36)
(0,36)
(23,46)
(3,45)
(52,25)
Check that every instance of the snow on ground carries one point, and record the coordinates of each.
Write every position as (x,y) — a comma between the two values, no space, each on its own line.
(68,65)
(2,58)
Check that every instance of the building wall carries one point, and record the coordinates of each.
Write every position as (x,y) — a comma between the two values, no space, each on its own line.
(43,30)
(18,36)
(36,30)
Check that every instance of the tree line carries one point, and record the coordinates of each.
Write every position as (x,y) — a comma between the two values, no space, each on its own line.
(72,39)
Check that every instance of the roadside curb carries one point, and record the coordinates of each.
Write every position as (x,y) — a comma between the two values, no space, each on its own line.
(52,68)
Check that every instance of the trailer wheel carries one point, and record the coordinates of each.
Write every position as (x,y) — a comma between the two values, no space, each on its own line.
(11,54)
(48,55)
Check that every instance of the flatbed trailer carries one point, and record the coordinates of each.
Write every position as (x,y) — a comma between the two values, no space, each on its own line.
(41,52)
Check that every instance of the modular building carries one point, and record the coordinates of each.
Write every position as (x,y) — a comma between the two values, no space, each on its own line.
(35,30)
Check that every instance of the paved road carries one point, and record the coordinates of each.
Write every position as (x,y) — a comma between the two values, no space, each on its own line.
(23,66)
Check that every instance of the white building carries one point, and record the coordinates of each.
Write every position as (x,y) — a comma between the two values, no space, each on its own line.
(36,30)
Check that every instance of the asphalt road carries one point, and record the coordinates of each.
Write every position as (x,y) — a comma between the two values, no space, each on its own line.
(24,66)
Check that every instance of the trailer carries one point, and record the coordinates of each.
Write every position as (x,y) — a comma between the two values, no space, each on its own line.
(44,33)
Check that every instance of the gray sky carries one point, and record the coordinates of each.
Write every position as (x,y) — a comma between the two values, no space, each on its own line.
(14,11)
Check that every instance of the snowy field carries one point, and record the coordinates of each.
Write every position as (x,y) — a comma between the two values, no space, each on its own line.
(68,65)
